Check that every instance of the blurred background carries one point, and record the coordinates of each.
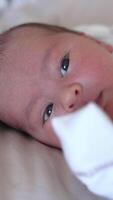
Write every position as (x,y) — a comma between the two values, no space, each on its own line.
(68,13)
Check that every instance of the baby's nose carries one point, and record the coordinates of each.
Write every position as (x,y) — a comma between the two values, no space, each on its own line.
(70,97)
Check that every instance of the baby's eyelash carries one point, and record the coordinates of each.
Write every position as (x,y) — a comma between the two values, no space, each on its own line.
(64,65)
(47,113)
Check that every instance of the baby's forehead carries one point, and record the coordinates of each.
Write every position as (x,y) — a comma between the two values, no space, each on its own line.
(31,30)
(23,43)
(22,35)
(27,32)
(22,51)
(17,40)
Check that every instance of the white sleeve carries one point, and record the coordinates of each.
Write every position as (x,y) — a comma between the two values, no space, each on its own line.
(87,141)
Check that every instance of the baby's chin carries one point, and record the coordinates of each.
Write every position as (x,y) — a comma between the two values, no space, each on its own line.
(49,138)
(54,142)
(108,108)
(51,143)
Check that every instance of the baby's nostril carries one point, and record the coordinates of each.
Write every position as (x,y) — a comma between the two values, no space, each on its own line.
(71,106)
(76,92)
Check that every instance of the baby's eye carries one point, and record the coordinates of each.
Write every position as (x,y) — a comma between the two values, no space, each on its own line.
(64,65)
(47,112)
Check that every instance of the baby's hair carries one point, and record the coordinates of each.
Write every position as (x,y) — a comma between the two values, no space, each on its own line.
(2,47)
(54,28)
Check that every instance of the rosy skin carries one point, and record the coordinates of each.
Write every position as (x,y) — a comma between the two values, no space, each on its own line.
(34,77)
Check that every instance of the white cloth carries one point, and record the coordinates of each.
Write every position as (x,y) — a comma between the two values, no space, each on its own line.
(100,32)
(87,141)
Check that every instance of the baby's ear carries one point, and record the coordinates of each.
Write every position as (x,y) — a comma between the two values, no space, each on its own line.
(107,46)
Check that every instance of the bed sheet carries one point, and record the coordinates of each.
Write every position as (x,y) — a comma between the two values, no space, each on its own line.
(30,170)
(61,12)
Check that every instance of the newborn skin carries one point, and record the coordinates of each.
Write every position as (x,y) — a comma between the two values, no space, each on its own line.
(46,73)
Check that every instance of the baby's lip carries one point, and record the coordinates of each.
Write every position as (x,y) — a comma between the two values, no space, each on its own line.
(100,100)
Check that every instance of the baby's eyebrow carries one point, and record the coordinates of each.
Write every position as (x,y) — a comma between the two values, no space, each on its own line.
(35,100)
(36,97)
(3,44)
(47,54)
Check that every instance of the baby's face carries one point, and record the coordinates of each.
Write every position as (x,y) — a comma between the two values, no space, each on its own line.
(55,74)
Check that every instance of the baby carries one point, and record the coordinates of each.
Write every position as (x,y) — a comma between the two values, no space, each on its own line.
(47,71)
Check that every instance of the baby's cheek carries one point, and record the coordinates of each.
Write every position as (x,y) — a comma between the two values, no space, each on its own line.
(50,137)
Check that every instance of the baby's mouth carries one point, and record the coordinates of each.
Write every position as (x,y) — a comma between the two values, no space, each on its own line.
(101,100)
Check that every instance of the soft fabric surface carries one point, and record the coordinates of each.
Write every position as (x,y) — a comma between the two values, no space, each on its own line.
(61,12)
(30,170)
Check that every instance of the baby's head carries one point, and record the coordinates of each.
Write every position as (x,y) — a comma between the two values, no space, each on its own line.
(48,71)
